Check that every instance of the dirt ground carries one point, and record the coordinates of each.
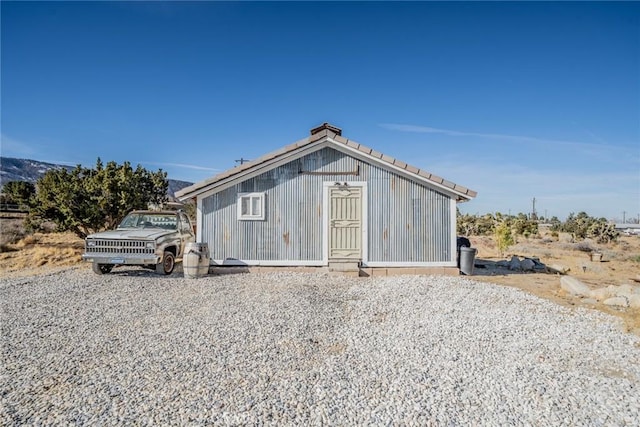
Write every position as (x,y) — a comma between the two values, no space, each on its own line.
(620,264)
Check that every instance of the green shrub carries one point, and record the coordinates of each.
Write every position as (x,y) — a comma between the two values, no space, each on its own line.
(503,237)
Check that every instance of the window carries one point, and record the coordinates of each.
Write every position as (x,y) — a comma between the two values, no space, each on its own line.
(251,206)
(185,224)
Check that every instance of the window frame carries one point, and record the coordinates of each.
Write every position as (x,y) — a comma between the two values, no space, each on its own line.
(251,216)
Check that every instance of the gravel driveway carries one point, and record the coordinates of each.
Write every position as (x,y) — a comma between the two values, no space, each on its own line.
(292,348)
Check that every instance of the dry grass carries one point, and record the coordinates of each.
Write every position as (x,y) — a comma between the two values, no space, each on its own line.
(32,253)
(11,230)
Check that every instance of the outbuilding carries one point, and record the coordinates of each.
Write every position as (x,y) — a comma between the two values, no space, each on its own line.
(328,201)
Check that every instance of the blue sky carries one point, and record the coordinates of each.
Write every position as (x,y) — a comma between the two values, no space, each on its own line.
(513,100)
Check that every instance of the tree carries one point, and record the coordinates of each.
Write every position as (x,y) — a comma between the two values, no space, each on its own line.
(88,200)
(18,193)
(474,225)
(523,226)
(582,226)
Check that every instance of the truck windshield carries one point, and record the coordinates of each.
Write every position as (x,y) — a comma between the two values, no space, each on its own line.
(146,220)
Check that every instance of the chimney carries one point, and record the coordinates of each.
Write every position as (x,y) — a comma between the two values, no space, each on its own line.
(328,127)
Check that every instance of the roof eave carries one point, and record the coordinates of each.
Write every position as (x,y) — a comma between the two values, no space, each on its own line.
(318,141)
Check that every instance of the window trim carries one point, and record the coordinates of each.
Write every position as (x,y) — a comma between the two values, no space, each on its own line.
(251,196)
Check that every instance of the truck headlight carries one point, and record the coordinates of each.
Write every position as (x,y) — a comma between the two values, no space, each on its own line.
(91,243)
(151,245)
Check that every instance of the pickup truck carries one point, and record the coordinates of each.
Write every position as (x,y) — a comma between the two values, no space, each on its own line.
(150,239)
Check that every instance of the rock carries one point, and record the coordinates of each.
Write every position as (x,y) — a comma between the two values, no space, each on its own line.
(600,294)
(558,269)
(589,301)
(625,290)
(634,301)
(527,264)
(617,302)
(515,264)
(574,286)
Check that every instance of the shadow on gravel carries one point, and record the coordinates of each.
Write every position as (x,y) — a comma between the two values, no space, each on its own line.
(130,271)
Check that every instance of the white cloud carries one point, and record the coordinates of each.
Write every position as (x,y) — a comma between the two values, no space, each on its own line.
(499,136)
(504,188)
(11,147)
(563,176)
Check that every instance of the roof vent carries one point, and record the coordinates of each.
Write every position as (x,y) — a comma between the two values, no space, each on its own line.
(328,127)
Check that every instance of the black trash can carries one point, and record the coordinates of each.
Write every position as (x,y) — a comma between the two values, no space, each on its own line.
(467,259)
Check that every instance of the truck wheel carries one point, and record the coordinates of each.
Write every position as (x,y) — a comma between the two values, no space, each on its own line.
(167,264)
(102,268)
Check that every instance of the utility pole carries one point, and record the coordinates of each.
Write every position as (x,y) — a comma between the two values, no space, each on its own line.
(533,211)
(624,217)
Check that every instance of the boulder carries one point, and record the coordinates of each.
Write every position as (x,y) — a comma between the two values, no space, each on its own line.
(574,286)
(600,294)
(557,269)
(616,302)
(527,264)
(624,290)
(634,301)
(515,264)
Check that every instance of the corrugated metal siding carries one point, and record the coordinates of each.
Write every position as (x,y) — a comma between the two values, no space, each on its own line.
(407,222)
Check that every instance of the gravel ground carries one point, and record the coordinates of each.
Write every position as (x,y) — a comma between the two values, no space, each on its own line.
(292,348)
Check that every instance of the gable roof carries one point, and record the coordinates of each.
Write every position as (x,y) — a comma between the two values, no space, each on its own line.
(322,136)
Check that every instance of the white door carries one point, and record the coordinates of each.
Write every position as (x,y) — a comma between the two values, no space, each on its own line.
(345,222)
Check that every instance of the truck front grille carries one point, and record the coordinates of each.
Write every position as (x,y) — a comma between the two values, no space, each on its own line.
(118,247)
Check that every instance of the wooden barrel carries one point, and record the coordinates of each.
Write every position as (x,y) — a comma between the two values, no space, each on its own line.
(195,262)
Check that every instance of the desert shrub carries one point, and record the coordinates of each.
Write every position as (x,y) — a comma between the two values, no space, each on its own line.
(503,237)
(582,226)
(635,258)
(485,225)
(474,225)
(602,231)
(12,232)
(584,246)
(523,226)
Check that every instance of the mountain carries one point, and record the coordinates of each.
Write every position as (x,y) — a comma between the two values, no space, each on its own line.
(30,170)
